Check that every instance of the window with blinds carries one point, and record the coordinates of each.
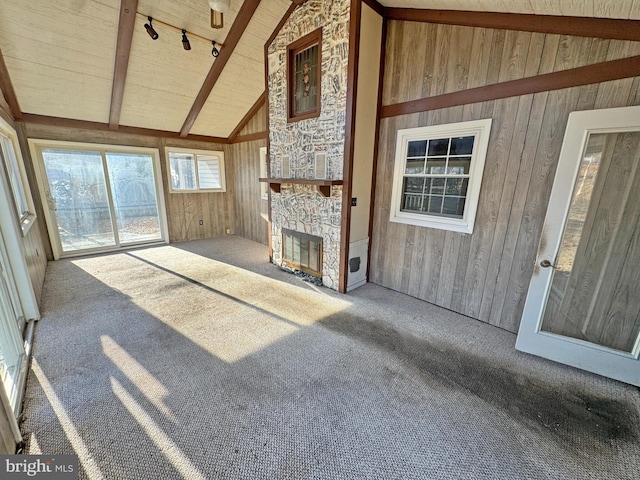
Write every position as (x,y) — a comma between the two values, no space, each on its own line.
(196,170)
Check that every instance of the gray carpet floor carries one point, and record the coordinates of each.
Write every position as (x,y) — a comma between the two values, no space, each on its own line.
(202,361)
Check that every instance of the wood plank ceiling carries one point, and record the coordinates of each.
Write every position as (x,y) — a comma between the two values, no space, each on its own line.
(61,57)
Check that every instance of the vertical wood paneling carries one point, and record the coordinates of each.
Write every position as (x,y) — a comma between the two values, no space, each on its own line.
(486,274)
(257,123)
(251,219)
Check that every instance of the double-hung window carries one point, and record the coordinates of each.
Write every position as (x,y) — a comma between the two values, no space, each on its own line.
(12,160)
(438,173)
(196,170)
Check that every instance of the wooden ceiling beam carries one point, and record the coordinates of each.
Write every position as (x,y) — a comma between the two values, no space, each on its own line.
(233,37)
(248,116)
(126,24)
(85,125)
(7,91)
(610,28)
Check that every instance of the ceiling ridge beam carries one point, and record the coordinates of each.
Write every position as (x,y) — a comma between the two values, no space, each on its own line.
(7,91)
(611,28)
(248,116)
(87,125)
(573,77)
(126,24)
(245,14)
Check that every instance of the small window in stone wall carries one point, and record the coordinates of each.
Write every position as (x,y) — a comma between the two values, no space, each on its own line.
(303,77)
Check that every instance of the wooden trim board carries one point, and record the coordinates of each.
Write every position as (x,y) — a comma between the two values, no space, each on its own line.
(617,29)
(250,137)
(574,77)
(355,22)
(81,124)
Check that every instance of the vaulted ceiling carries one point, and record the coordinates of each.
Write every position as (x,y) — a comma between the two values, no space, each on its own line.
(61,56)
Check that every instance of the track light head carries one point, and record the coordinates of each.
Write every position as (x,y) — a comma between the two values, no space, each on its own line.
(215,52)
(150,30)
(185,41)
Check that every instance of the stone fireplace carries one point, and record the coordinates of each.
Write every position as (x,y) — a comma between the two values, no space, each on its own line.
(311,149)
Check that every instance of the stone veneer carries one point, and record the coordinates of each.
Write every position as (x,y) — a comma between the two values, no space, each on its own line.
(301,207)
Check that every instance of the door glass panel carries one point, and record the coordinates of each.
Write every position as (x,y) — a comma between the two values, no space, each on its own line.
(78,188)
(133,189)
(593,294)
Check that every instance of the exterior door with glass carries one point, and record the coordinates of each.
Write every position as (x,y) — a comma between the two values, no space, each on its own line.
(583,304)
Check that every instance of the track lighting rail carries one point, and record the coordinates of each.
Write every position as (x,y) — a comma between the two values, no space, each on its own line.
(154,21)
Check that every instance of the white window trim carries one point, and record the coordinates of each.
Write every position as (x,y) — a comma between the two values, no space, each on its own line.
(26,221)
(481,129)
(194,152)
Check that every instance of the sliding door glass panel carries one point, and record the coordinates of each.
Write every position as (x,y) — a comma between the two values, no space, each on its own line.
(133,189)
(78,187)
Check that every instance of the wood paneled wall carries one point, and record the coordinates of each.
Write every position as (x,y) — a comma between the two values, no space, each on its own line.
(484,275)
(252,212)
(184,210)
(252,215)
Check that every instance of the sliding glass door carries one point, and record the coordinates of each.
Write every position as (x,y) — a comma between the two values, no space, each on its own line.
(100,198)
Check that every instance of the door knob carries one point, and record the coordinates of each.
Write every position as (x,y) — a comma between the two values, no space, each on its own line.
(546,264)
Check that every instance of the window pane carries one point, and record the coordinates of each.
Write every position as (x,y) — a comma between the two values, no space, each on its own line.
(455,186)
(439,146)
(306,79)
(209,171)
(412,198)
(453,206)
(414,184)
(459,166)
(437,185)
(183,171)
(77,184)
(417,149)
(436,166)
(13,169)
(414,165)
(462,145)
(435,204)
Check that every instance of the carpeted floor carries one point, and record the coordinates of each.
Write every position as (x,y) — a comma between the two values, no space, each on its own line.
(166,362)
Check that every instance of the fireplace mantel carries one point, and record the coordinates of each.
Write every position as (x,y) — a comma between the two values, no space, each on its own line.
(324,186)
